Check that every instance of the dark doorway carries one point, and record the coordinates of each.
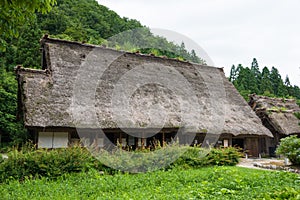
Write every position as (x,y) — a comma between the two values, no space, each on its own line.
(238,143)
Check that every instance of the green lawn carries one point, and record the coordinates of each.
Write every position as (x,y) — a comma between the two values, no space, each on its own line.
(205,183)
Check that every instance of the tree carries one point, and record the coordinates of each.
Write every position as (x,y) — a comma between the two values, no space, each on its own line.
(245,81)
(10,127)
(183,52)
(296,92)
(290,147)
(282,90)
(256,73)
(15,13)
(275,80)
(289,87)
(266,84)
(287,81)
(194,57)
(28,47)
(233,74)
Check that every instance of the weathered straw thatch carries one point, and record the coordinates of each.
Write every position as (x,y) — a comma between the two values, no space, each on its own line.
(277,113)
(60,94)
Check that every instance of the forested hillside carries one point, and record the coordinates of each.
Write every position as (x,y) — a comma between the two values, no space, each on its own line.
(267,82)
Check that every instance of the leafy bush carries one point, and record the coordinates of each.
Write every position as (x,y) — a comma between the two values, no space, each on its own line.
(46,163)
(195,157)
(290,147)
(223,156)
(27,162)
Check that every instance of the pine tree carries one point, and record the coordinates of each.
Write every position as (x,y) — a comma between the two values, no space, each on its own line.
(266,85)
(232,75)
(275,80)
(257,76)
(282,90)
(289,87)
(238,79)
(296,91)
(194,57)
(287,81)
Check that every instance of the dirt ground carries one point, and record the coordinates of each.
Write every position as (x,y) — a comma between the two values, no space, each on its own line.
(250,162)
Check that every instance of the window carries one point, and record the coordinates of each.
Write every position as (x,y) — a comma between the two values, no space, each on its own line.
(53,139)
(226,143)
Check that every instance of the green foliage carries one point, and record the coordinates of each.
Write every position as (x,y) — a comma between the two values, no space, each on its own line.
(140,160)
(290,147)
(193,157)
(31,163)
(27,46)
(84,20)
(286,193)
(143,41)
(205,183)
(199,157)
(297,114)
(277,109)
(267,83)
(10,127)
(233,74)
(15,13)
(223,156)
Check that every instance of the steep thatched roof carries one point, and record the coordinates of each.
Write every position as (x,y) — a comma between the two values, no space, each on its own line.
(88,86)
(277,113)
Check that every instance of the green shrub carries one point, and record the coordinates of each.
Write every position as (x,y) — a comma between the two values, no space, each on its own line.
(195,157)
(290,148)
(28,162)
(141,160)
(191,158)
(223,156)
(47,163)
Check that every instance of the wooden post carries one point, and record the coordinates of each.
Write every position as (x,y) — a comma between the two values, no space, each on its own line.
(136,143)
(143,143)
(120,138)
(163,139)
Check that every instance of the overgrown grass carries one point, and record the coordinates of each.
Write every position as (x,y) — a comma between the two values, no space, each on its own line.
(204,183)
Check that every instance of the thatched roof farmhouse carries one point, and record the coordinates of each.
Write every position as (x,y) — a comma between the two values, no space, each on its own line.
(278,115)
(83,87)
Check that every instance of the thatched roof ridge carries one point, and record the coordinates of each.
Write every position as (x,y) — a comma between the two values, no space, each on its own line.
(49,95)
(277,113)
(45,40)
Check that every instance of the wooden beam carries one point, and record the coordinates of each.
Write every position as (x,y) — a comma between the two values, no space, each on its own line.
(163,139)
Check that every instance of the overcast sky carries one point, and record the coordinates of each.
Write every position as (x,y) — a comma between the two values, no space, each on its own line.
(230,31)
